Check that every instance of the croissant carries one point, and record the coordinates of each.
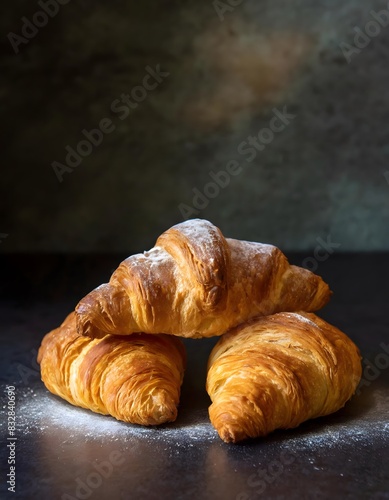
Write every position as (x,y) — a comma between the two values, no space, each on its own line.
(136,379)
(278,371)
(196,283)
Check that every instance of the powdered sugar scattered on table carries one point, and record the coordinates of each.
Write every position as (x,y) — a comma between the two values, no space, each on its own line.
(42,413)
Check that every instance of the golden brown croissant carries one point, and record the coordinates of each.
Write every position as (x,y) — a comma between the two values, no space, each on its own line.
(136,379)
(196,283)
(278,371)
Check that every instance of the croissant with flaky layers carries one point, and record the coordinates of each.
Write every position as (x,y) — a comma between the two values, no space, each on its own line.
(136,379)
(278,371)
(196,283)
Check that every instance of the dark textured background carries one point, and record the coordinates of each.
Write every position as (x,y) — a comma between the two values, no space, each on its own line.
(323,176)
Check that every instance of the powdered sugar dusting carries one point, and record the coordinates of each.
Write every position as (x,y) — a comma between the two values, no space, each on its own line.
(302,318)
(41,412)
(252,250)
(157,254)
(203,231)
(195,228)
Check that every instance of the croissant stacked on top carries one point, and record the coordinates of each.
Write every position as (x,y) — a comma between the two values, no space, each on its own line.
(119,354)
(196,283)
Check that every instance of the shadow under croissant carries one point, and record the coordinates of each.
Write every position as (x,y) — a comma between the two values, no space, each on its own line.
(194,400)
(194,404)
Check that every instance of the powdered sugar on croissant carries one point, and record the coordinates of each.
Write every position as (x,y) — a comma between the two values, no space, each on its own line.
(197,283)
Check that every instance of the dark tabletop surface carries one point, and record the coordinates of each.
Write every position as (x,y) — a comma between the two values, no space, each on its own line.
(63,452)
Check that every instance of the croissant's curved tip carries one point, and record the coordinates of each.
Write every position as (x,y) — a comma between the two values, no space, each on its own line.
(86,328)
(82,323)
(84,318)
(164,407)
(230,434)
(226,425)
(324,294)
